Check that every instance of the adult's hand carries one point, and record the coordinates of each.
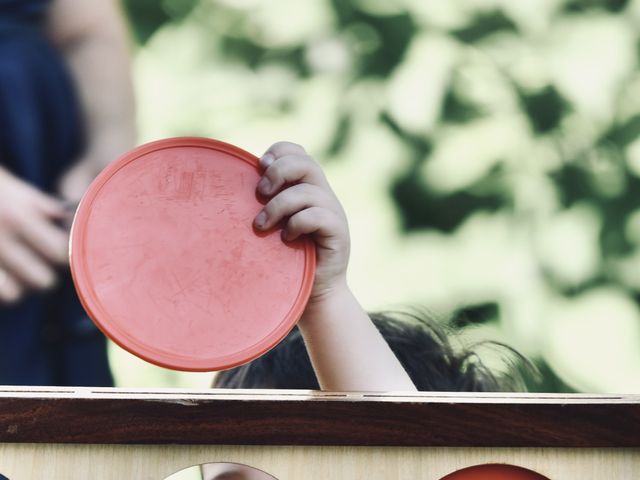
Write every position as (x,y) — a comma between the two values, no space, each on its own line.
(31,244)
(76,180)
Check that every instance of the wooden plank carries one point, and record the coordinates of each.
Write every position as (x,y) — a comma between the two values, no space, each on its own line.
(150,462)
(114,416)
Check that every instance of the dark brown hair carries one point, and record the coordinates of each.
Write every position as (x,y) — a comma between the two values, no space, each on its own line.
(421,345)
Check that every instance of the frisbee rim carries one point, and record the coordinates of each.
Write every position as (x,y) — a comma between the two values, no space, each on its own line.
(113,329)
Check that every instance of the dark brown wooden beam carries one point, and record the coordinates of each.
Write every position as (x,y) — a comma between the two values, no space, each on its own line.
(250,417)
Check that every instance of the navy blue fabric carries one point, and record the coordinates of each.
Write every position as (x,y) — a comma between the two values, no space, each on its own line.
(47,339)
(24,12)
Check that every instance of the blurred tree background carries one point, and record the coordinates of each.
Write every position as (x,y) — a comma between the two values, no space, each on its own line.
(486,152)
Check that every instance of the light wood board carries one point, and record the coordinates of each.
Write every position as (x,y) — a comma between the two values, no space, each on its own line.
(138,462)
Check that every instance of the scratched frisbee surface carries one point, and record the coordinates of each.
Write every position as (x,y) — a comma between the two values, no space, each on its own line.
(167,263)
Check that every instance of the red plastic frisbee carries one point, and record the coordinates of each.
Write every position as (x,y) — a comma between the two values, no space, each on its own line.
(167,263)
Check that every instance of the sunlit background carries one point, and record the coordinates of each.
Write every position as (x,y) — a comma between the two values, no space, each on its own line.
(486,153)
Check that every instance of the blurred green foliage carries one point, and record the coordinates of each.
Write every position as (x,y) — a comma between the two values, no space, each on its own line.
(486,150)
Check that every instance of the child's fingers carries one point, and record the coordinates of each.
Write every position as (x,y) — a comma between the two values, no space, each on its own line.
(280,149)
(291,169)
(313,220)
(290,201)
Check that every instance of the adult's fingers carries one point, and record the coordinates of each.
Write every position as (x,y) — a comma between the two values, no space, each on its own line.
(46,204)
(45,238)
(10,289)
(25,265)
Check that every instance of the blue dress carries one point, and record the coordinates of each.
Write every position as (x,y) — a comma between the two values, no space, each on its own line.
(46,339)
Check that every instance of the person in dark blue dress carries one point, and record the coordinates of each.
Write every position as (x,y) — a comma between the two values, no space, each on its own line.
(66,110)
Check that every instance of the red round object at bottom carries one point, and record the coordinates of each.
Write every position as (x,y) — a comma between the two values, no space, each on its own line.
(167,263)
(494,472)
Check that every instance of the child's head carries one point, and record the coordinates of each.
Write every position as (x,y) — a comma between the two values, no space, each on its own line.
(421,346)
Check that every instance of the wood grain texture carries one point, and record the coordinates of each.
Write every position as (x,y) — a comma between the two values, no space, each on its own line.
(146,462)
(304,418)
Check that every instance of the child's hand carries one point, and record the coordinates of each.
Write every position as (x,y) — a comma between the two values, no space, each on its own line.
(299,193)
(347,351)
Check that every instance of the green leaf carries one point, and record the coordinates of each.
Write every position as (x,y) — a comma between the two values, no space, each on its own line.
(483,26)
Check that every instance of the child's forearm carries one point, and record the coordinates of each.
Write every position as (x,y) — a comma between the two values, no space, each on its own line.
(346,349)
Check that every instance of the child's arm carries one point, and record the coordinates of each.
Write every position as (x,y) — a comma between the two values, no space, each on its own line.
(346,350)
